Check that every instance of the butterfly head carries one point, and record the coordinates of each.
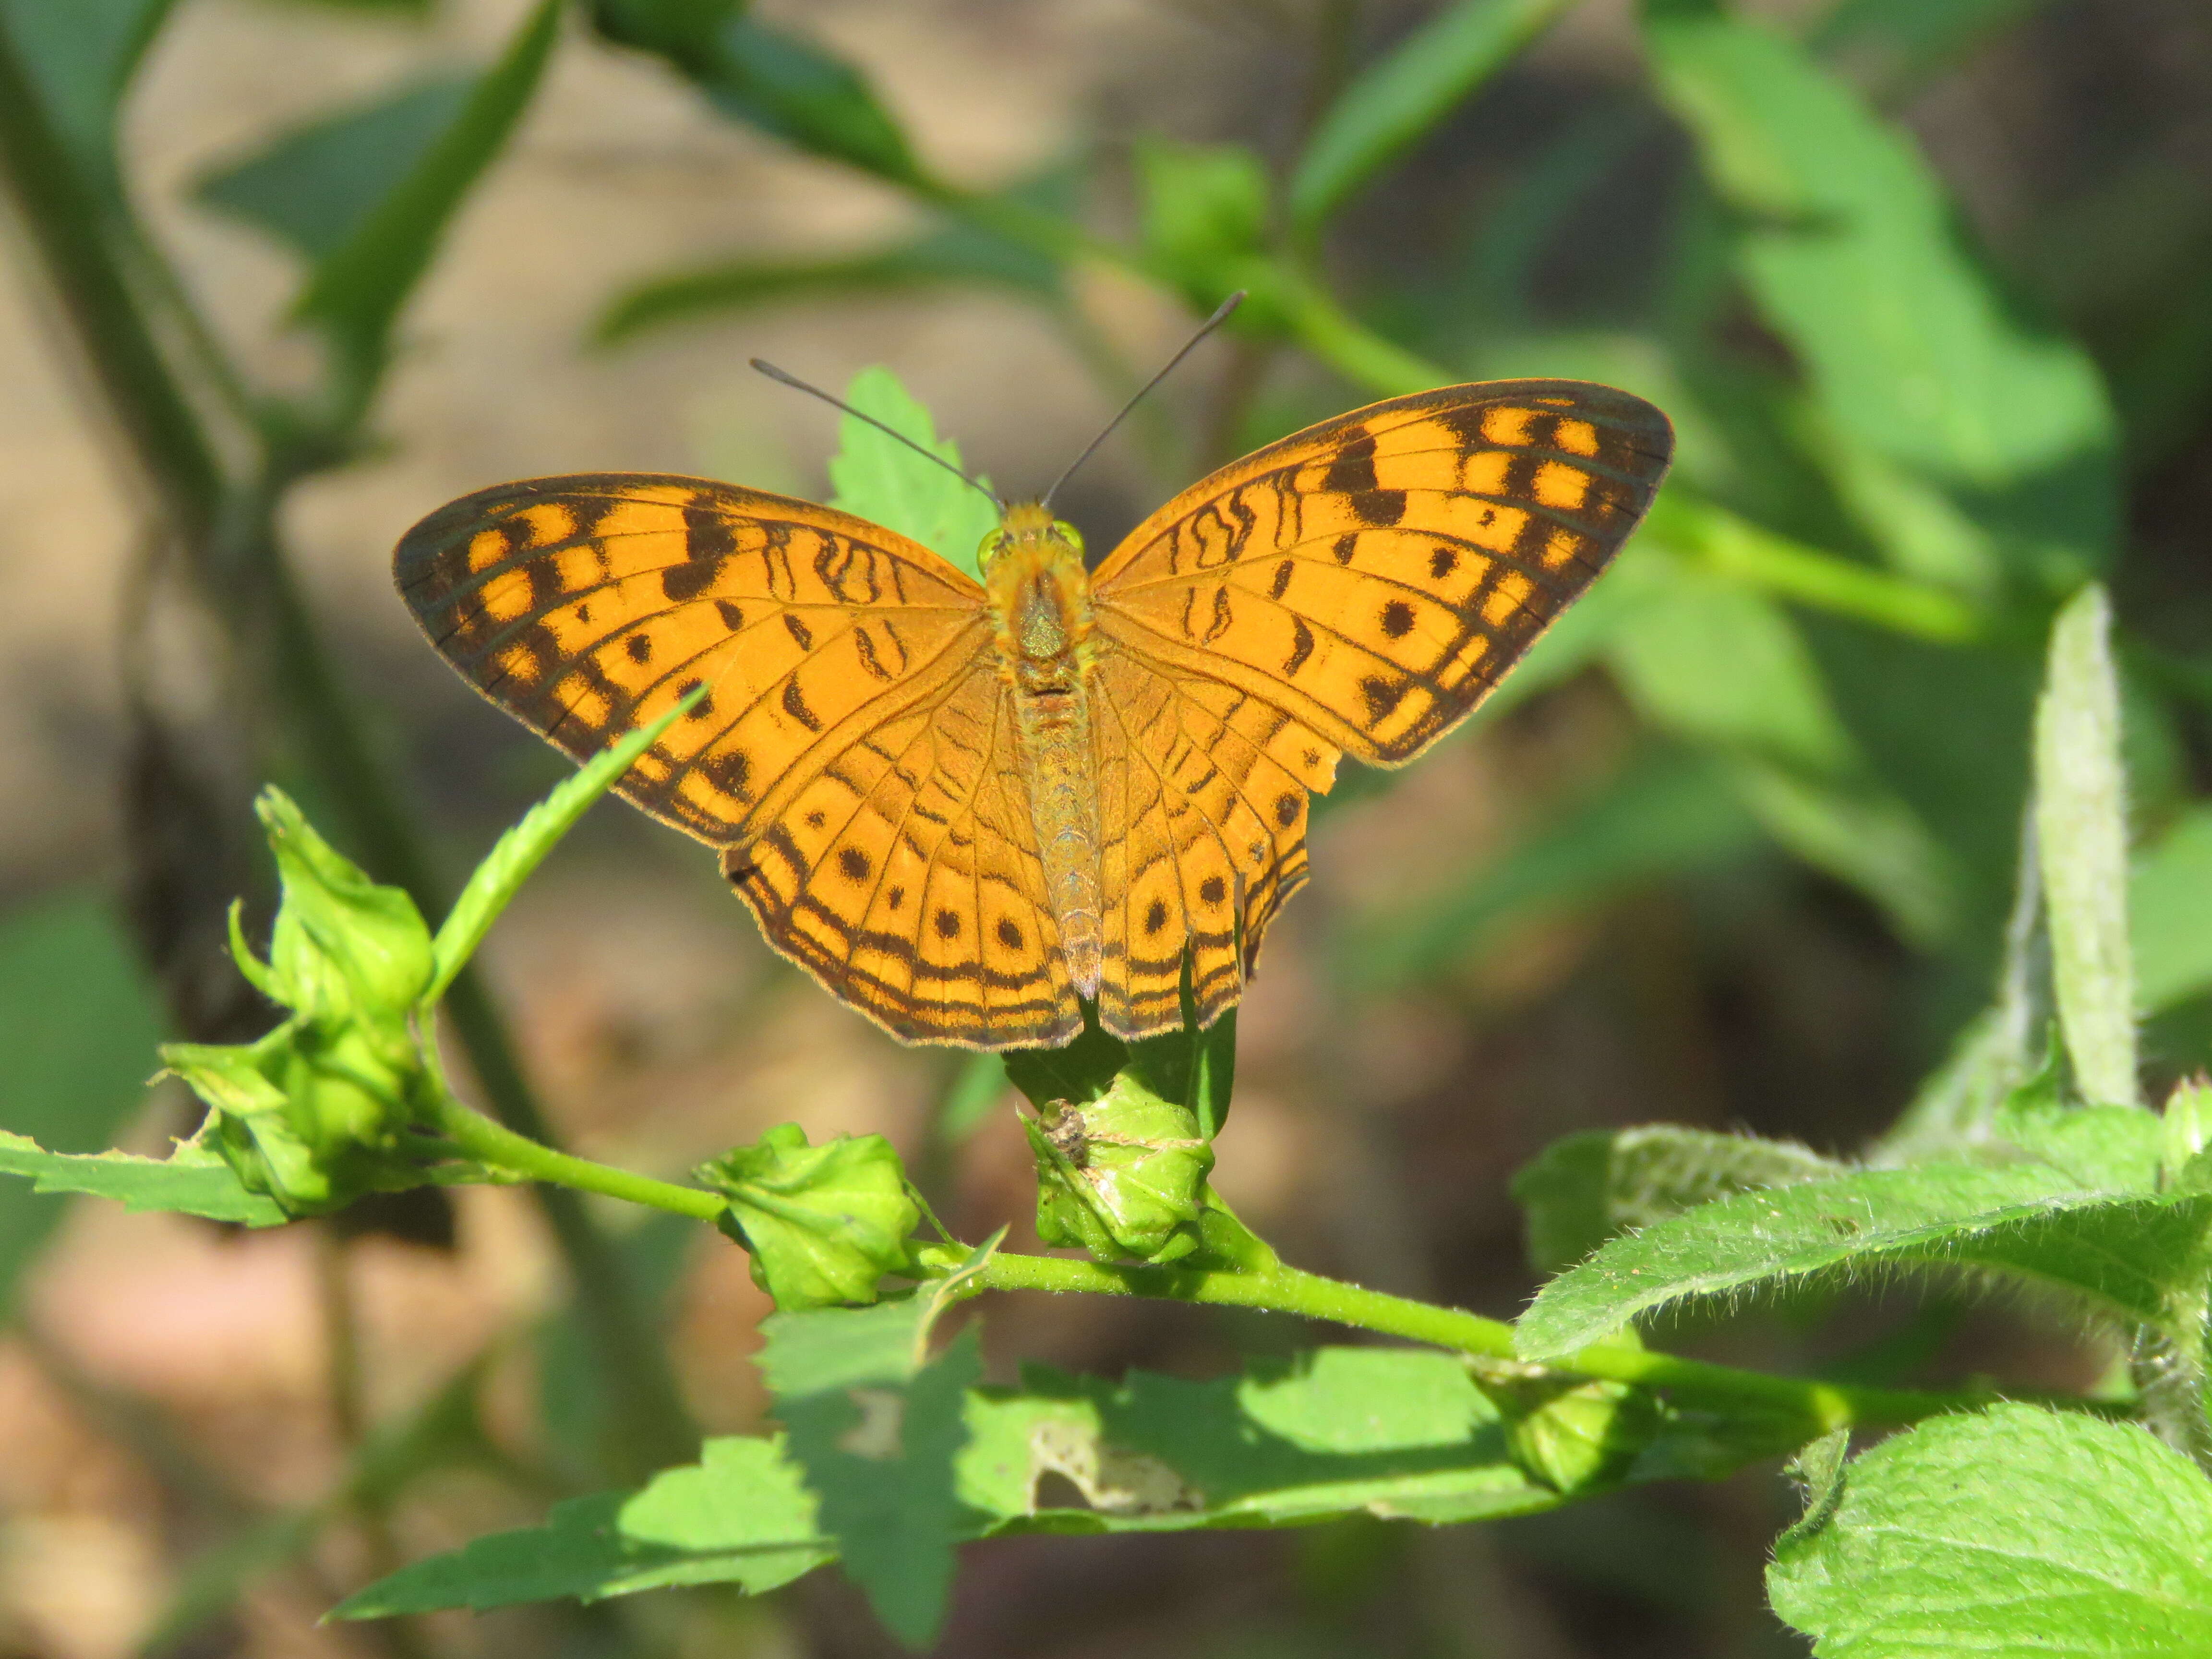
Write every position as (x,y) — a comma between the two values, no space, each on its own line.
(1029,529)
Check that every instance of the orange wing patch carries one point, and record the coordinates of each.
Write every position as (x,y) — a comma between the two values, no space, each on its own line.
(1377,574)
(586,605)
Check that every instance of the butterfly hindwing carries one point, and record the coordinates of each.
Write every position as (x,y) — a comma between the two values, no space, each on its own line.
(1202,803)
(905,876)
(1374,575)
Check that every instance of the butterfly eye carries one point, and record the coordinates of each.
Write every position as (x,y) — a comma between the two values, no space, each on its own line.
(1074,537)
(992,545)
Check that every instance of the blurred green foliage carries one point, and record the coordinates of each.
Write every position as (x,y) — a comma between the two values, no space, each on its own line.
(1904,448)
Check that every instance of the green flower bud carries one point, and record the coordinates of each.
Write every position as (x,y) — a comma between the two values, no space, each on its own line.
(1574,1436)
(823,1223)
(314,1118)
(342,945)
(1123,1176)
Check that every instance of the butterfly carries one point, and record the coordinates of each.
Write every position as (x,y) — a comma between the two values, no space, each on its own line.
(971,808)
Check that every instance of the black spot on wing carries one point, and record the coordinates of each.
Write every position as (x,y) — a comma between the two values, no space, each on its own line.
(794,704)
(730,772)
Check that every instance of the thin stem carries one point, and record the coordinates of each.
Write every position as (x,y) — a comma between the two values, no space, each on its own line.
(1824,1405)
(64,215)
(494,1144)
(1285,1289)
(400,1639)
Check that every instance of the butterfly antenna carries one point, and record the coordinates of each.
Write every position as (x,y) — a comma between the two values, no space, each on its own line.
(794,381)
(1215,321)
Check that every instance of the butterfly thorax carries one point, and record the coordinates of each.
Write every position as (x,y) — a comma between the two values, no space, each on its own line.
(1041,601)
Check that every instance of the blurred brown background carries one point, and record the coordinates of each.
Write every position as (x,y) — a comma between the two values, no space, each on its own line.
(168,1379)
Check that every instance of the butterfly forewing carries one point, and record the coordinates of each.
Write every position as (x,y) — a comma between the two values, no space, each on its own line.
(586,605)
(1374,575)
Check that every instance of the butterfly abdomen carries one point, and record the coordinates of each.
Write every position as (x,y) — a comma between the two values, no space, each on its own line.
(1041,598)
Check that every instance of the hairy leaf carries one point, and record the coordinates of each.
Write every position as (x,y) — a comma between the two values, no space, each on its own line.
(2011,1534)
(2082,836)
(1584,1190)
(2029,1223)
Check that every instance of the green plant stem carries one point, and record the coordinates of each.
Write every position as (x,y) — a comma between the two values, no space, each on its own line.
(1277,1289)
(64,217)
(1824,1405)
(502,1148)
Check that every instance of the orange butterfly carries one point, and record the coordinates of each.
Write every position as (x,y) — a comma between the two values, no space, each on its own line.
(967,808)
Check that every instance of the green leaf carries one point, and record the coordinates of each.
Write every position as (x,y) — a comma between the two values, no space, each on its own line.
(823,1223)
(314,186)
(1855,258)
(1582,1190)
(2005,1535)
(879,478)
(2170,914)
(2101,1149)
(784,85)
(1401,1433)
(741,1516)
(1710,659)
(877,1424)
(355,291)
(1205,225)
(495,881)
(78,1027)
(83,56)
(956,256)
(1392,103)
(192,1182)
(2028,1222)
(2082,834)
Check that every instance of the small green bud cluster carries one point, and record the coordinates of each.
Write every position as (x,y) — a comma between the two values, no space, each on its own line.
(320,1109)
(823,1223)
(1122,1175)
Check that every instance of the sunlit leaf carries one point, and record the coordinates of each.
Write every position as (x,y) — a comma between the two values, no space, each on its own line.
(2002,1534)
(884,481)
